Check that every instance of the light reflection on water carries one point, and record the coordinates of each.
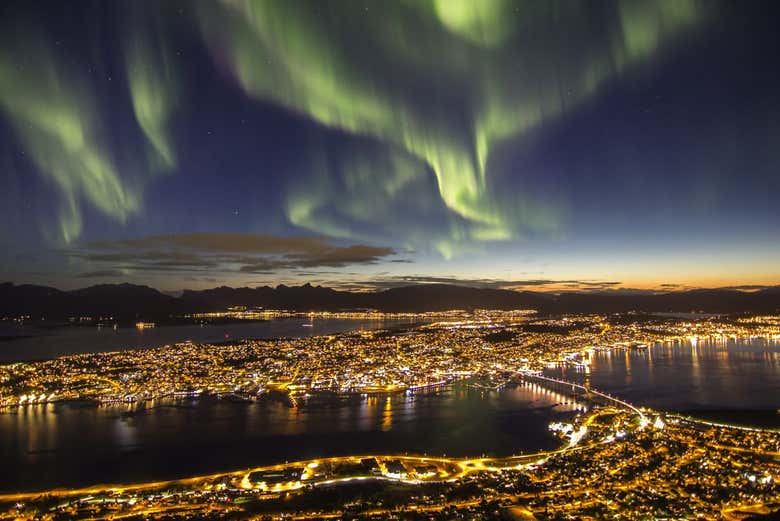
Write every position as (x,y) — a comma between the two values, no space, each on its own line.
(715,373)
(76,445)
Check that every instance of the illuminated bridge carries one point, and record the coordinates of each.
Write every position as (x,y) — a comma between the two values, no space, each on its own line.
(530,375)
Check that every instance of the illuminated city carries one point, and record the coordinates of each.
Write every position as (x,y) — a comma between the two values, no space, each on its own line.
(614,458)
(492,345)
(426,260)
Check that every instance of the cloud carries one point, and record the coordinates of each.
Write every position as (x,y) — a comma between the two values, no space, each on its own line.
(389,282)
(338,257)
(100,274)
(157,258)
(225,243)
(228,252)
(747,287)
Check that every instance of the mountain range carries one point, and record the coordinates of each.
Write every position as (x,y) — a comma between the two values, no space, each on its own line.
(133,301)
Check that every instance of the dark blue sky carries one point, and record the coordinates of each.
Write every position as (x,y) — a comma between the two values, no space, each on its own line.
(537,144)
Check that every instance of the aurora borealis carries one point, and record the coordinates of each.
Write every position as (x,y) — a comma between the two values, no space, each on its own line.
(540,143)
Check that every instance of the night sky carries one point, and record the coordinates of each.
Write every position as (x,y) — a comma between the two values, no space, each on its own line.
(366,144)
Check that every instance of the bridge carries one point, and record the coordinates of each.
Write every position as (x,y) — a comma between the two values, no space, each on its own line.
(529,375)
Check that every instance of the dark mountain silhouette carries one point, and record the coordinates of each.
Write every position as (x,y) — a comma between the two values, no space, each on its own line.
(104,299)
(121,299)
(128,300)
(441,297)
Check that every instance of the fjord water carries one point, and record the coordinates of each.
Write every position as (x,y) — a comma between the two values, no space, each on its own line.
(73,445)
(723,379)
(22,343)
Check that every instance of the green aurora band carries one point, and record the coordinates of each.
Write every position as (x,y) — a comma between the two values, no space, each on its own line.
(431,94)
(445,83)
(153,89)
(55,120)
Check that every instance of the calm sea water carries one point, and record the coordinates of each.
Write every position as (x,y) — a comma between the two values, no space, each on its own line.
(77,445)
(721,379)
(50,343)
